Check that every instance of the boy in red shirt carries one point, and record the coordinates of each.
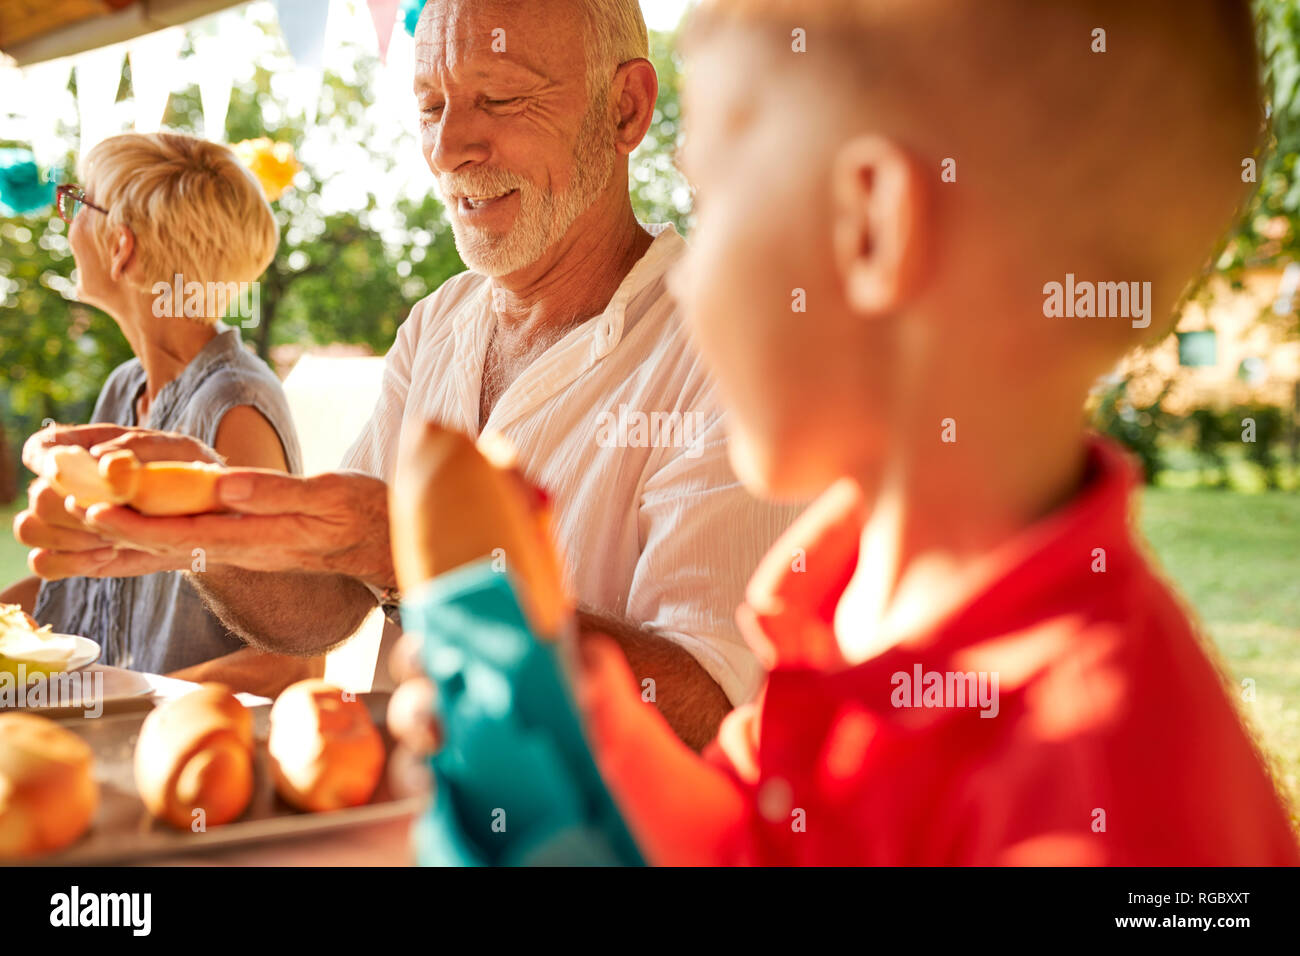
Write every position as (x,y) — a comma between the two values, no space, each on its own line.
(916,179)
(925,229)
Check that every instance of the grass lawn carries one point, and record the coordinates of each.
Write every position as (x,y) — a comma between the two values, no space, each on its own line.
(1235,556)
(13,556)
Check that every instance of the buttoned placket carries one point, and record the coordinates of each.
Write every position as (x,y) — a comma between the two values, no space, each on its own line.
(560,365)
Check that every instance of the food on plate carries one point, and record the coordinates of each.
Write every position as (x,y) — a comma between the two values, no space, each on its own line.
(326,753)
(48,794)
(194,758)
(37,649)
(158,488)
(454,502)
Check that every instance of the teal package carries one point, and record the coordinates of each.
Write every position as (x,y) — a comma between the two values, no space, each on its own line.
(515,781)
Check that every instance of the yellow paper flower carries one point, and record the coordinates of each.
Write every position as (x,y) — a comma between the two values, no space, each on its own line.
(272,163)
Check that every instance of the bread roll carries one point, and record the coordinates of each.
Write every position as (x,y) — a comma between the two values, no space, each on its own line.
(325,751)
(453,503)
(196,753)
(153,488)
(48,794)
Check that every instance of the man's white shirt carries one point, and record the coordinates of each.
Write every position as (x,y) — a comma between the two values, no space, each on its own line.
(620,422)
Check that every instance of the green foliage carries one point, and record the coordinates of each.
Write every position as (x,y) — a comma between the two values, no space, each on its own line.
(1267,233)
(1210,430)
(1138,428)
(1268,433)
(1215,434)
(659,191)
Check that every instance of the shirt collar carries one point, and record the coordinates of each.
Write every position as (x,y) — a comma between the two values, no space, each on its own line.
(177,392)
(789,610)
(573,354)
(607,329)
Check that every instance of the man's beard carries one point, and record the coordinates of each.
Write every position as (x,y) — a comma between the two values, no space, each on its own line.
(544,216)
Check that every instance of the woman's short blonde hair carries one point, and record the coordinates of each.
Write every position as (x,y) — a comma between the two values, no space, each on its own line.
(194,209)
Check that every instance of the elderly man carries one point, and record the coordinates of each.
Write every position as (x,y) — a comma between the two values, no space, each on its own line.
(562,328)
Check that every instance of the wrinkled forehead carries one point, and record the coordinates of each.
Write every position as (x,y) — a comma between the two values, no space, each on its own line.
(469,38)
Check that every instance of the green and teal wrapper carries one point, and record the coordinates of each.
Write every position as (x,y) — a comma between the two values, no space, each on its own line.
(515,781)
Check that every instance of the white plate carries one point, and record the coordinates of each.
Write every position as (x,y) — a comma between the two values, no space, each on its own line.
(86,652)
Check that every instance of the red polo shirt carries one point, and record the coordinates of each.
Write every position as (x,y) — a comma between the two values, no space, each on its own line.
(1114,740)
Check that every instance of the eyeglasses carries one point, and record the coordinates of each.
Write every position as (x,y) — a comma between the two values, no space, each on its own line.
(70,198)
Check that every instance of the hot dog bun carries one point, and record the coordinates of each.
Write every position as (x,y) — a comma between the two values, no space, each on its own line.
(48,794)
(325,751)
(196,753)
(453,503)
(158,488)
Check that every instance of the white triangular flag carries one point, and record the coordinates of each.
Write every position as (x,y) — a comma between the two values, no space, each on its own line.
(215,62)
(153,72)
(99,74)
(47,101)
(303,24)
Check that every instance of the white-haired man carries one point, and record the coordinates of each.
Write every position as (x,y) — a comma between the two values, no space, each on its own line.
(562,327)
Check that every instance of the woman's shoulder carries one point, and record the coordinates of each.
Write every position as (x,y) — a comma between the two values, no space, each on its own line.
(238,369)
(241,378)
(115,398)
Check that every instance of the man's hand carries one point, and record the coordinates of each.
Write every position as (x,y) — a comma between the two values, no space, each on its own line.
(87,436)
(331,523)
(252,671)
(54,527)
(63,546)
(335,522)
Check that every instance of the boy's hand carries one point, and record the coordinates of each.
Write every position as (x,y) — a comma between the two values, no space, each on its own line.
(450,505)
(681,810)
(411,718)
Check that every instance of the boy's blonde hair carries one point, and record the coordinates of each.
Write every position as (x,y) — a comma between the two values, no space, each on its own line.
(1121,164)
(194,209)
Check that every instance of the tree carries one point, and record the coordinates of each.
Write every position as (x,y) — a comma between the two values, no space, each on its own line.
(1268,232)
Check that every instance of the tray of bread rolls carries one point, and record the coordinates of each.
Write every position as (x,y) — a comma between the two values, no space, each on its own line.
(199,773)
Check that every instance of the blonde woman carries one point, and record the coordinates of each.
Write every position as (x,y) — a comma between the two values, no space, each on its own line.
(164,229)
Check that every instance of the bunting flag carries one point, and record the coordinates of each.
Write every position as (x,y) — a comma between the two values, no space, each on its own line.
(24,189)
(99,74)
(411,10)
(303,24)
(47,101)
(216,75)
(383,13)
(153,70)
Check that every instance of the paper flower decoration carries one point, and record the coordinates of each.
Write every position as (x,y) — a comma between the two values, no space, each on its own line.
(272,163)
(23,189)
(411,14)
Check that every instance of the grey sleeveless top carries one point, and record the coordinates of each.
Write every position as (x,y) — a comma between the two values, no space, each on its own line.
(157,622)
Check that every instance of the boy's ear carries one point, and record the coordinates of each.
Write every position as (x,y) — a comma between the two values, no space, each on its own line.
(877,193)
(121,252)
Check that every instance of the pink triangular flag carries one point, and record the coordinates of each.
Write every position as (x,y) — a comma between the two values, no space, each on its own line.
(383,13)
